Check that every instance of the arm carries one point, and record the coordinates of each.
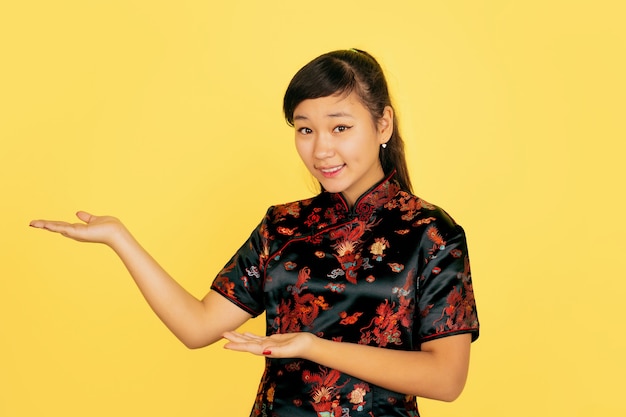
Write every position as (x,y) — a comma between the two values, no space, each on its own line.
(196,323)
(438,371)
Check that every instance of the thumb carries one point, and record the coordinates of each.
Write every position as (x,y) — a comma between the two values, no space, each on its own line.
(84,216)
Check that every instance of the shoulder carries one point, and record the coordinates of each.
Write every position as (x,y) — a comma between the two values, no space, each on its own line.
(418,213)
(291,210)
(295,218)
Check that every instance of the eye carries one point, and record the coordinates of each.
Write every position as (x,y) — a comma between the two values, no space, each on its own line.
(305,131)
(341,128)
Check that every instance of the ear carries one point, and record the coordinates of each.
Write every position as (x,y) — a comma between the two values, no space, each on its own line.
(385,125)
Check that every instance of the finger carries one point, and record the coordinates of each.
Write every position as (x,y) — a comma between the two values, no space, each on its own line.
(250,347)
(84,216)
(241,337)
(53,226)
(36,223)
(253,336)
(74,231)
(246,342)
(234,337)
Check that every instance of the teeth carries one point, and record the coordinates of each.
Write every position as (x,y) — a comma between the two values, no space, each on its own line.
(335,169)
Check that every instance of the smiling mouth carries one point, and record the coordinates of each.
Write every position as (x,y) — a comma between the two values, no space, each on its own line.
(331,171)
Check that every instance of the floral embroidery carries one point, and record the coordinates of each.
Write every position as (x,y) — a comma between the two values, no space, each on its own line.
(357,396)
(378,248)
(290,266)
(313,218)
(396,267)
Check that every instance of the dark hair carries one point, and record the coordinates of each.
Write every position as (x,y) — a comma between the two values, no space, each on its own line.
(344,72)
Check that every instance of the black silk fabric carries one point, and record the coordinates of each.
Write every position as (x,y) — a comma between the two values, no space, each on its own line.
(392,271)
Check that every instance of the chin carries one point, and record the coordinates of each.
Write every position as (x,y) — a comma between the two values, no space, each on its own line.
(331,188)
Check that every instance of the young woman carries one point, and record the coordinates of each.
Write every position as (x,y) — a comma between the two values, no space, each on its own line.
(366,288)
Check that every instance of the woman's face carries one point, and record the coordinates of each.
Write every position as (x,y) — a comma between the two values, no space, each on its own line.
(339,141)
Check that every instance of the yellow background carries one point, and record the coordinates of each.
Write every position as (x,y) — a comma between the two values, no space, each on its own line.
(168,115)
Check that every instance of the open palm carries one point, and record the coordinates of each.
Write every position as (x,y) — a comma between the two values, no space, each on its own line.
(96,229)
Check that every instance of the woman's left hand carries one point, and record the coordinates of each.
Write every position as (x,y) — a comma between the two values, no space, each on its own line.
(287,345)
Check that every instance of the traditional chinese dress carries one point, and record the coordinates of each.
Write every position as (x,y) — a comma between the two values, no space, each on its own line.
(392,271)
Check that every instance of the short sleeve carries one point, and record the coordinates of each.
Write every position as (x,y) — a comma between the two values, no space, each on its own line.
(241,279)
(446,302)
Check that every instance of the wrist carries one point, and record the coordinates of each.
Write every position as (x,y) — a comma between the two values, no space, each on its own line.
(120,237)
(315,346)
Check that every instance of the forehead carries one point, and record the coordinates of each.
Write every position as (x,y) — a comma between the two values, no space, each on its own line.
(337,105)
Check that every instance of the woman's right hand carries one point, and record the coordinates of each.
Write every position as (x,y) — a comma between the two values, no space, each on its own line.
(196,323)
(96,229)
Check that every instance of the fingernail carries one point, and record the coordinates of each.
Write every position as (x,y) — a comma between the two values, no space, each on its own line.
(267,352)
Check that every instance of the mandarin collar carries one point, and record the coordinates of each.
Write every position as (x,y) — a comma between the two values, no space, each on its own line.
(374,198)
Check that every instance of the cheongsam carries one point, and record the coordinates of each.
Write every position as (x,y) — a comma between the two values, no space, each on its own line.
(391,271)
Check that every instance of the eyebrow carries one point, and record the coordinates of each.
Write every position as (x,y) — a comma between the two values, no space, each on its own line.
(338,114)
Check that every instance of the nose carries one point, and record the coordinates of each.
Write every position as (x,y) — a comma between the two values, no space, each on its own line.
(323,147)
